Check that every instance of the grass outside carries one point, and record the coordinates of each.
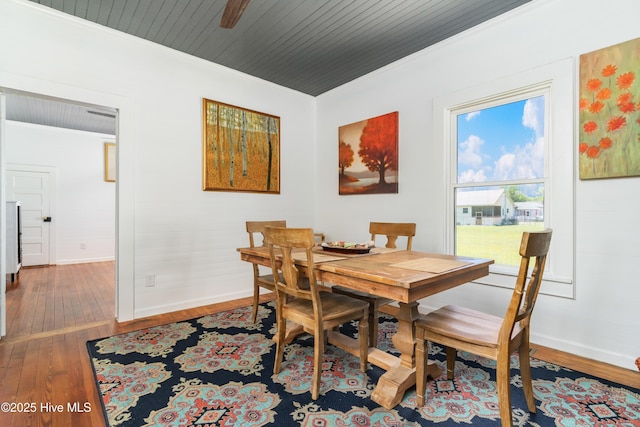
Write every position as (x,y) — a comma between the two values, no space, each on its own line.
(501,243)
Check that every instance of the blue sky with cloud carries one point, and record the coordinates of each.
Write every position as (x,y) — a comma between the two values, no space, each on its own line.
(502,143)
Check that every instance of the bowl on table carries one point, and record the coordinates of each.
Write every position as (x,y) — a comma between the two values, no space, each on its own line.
(342,247)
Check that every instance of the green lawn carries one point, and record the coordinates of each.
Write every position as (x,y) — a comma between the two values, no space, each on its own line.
(500,243)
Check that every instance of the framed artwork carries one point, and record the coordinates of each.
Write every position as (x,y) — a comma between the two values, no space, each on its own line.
(368,156)
(609,145)
(110,162)
(241,149)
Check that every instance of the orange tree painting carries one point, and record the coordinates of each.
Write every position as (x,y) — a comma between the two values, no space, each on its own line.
(610,112)
(241,149)
(368,156)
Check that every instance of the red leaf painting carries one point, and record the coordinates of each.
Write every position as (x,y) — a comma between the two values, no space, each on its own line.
(375,168)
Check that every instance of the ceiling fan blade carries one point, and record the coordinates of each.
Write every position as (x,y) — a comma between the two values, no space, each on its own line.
(233,12)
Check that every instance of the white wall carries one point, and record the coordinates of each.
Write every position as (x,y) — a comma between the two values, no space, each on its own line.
(167,226)
(85,204)
(602,321)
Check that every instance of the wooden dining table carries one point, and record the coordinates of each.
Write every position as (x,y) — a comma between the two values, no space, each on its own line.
(403,276)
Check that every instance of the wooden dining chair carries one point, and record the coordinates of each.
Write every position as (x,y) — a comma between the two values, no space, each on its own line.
(392,230)
(320,238)
(496,338)
(256,231)
(316,311)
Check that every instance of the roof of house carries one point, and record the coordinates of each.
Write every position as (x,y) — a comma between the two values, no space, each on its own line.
(479,197)
(529,205)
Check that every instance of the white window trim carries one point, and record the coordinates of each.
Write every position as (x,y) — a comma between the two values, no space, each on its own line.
(560,145)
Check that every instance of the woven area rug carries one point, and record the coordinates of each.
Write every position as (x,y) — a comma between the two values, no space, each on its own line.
(217,370)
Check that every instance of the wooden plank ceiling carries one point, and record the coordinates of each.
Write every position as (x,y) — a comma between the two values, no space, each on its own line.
(311,46)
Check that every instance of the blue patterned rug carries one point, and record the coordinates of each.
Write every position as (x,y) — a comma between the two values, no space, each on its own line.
(217,370)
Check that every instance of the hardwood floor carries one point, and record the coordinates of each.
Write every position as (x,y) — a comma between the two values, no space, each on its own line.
(55,298)
(53,311)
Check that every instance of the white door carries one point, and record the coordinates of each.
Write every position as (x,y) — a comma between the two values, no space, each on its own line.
(31,186)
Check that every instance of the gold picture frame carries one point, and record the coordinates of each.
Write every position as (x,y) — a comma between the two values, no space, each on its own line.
(241,149)
(110,162)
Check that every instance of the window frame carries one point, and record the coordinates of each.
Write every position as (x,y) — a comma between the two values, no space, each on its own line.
(517,95)
(557,83)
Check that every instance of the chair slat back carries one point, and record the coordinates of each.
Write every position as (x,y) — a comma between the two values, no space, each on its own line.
(533,245)
(393,230)
(255,227)
(282,242)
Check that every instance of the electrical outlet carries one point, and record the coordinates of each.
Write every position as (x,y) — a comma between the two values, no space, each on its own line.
(83,245)
(150,280)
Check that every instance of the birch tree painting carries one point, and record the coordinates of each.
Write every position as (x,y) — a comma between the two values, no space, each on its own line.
(241,149)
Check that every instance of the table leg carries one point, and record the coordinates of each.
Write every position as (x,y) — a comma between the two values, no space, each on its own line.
(392,384)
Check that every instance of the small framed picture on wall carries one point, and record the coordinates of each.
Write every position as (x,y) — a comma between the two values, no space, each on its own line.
(110,162)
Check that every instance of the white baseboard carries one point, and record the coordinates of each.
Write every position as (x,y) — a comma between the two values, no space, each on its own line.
(598,354)
(183,305)
(83,260)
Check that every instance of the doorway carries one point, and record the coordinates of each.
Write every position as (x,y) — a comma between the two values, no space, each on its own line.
(35,185)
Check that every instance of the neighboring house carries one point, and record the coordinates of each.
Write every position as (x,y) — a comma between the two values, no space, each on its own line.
(529,211)
(484,207)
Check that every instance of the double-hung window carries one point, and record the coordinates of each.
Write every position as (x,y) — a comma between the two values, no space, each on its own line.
(510,153)
(501,174)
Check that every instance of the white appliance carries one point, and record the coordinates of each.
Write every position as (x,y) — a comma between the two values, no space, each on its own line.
(14,239)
